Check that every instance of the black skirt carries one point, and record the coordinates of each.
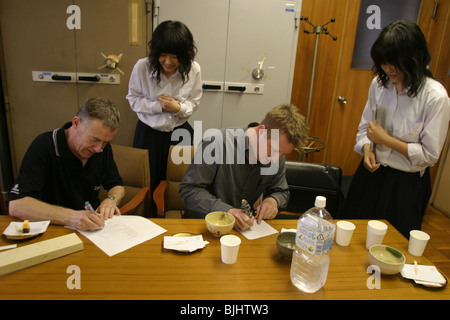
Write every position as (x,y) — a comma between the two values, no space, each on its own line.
(397,196)
(158,143)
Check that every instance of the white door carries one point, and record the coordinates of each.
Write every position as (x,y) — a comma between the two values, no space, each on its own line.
(235,38)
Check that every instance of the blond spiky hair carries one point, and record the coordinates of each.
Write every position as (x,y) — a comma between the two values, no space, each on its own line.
(289,121)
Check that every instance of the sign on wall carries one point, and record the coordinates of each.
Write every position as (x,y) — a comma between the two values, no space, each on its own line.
(374,15)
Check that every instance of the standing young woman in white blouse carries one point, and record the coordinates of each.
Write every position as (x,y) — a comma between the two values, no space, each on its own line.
(165,90)
(402,131)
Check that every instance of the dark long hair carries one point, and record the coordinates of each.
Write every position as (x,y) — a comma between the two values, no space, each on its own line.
(172,37)
(402,44)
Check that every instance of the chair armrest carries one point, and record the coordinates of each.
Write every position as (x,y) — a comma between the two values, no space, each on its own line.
(139,198)
(158,198)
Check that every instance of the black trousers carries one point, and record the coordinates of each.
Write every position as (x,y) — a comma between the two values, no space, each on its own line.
(158,143)
(397,196)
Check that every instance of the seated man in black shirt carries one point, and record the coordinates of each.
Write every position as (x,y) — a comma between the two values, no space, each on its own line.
(64,169)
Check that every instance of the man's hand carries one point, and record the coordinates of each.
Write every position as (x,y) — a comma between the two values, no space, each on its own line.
(107,209)
(243,222)
(86,220)
(268,209)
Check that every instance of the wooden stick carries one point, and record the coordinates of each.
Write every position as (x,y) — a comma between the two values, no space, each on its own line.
(33,254)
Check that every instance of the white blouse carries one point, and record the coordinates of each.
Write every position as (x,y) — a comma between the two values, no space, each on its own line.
(421,121)
(143,94)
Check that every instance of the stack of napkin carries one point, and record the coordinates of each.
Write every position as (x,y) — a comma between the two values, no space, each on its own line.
(425,275)
(184,244)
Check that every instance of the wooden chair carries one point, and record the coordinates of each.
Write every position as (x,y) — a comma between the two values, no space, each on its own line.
(134,168)
(308,180)
(165,196)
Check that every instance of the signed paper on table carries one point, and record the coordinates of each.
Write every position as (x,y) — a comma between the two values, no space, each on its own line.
(123,232)
(259,230)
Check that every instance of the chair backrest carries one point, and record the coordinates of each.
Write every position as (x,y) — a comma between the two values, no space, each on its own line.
(308,180)
(134,168)
(133,165)
(175,173)
(2,203)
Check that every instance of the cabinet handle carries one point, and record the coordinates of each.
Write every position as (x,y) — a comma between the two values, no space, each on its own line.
(236,88)
(211,86)
(56,77)
(87,78)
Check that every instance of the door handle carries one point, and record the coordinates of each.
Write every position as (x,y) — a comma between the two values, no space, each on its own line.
(342,99)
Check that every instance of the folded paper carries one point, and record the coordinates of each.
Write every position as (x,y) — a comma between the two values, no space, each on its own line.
(184,244)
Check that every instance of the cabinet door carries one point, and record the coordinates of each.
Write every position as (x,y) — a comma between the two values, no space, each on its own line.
(105,29)
(35,37)
(259,31)
(232,37)
(208,22)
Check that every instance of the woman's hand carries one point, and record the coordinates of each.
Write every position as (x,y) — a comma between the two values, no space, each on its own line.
(169,104)
(370,162)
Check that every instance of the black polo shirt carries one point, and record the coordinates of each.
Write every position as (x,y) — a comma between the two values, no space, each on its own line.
(50,172)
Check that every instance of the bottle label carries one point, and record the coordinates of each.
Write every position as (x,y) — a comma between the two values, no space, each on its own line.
(314,242)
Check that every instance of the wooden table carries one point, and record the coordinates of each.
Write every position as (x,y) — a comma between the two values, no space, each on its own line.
(148,271)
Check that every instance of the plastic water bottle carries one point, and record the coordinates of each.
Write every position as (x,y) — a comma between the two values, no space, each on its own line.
(313,242)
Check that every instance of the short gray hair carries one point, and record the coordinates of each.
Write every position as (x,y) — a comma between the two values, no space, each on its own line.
(101,109)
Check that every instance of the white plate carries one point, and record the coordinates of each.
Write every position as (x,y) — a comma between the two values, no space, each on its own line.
(14,230)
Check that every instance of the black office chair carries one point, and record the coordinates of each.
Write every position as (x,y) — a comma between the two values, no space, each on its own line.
(3,209)
(308,180)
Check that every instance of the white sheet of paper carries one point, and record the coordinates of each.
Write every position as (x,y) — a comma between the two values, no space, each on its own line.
(259,230)
(123,232)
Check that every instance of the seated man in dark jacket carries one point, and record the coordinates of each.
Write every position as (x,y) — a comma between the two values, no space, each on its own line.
(244,163)
(64,169)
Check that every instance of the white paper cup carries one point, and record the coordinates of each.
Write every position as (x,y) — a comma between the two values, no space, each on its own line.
(344,232)
(417,242)
(229,247)
(375,233)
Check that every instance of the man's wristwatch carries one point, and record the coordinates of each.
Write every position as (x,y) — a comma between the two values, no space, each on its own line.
(113,198)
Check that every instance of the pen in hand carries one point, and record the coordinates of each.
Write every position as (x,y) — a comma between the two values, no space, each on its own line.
(245,206)
(88,206)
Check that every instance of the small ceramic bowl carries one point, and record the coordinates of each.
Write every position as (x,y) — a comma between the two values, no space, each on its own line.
(286,244)
(390,260)
(219,223)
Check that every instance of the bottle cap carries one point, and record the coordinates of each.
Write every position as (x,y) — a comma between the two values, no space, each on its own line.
(320,202)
